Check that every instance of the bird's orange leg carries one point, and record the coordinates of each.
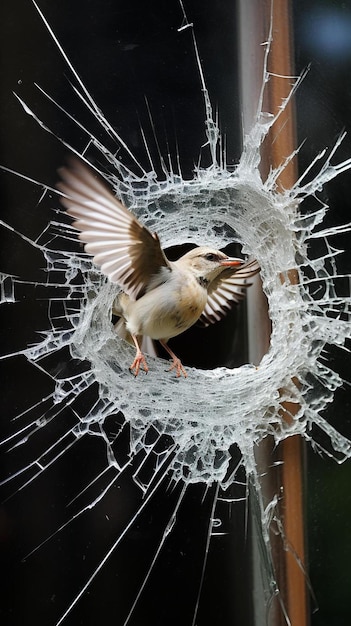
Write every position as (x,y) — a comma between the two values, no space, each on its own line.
(177,364)
(139,359)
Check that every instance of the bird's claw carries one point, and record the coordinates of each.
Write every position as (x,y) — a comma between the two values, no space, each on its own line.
(139,361)
(177,365)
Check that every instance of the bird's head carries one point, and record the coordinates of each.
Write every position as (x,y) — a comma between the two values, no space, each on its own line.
(207,263)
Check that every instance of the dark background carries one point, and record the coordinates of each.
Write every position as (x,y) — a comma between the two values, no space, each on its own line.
(125,52)
(323,38)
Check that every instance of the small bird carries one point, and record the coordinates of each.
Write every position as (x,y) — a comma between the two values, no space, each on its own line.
(160,298)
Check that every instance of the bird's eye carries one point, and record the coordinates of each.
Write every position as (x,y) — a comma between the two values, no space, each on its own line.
(211,257)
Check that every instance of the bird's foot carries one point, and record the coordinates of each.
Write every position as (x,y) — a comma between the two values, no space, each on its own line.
(138,362)
(177,365)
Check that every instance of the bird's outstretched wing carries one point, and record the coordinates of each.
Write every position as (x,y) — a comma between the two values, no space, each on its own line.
(226,290)
(125,250)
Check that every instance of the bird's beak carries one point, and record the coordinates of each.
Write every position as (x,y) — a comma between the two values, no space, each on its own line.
(232,262)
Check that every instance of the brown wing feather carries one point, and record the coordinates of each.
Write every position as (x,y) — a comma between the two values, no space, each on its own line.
(227,289)
(125,250)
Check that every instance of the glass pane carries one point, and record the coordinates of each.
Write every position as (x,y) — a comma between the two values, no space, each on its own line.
(90,534)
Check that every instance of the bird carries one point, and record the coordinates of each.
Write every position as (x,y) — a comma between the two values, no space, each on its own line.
(159,298)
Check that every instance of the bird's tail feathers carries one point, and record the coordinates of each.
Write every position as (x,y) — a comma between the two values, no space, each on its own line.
(147,345)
